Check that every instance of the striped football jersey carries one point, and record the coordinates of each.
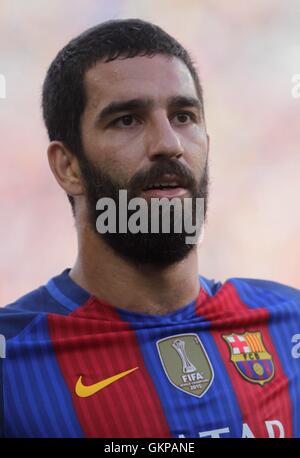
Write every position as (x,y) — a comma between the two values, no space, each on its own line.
(225,365)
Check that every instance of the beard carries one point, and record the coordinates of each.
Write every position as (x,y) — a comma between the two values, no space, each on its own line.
(153,249)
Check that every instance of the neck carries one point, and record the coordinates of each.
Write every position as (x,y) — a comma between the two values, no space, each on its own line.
(144,289)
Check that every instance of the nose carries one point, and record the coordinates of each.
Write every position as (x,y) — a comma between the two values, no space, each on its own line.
(163,140)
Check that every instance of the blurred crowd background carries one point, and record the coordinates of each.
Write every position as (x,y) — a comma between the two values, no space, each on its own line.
(246,54)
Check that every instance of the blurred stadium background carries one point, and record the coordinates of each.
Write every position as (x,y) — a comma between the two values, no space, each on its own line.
(246,53)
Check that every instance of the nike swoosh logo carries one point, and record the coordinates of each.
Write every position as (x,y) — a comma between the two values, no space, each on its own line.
(83,391)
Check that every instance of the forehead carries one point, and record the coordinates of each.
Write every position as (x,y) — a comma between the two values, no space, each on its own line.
(158,77)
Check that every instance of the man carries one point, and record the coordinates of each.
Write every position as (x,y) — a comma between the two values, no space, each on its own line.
(132,342)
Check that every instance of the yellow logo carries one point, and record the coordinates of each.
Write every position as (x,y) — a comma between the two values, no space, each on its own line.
(83,391)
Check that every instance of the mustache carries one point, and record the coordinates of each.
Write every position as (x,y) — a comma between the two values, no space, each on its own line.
(164,167)
(98,183)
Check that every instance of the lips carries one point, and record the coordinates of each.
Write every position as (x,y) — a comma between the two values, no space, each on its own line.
(165,192)
(165,181)
(166,186)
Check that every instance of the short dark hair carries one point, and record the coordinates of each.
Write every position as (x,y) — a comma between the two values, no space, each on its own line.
(63,95)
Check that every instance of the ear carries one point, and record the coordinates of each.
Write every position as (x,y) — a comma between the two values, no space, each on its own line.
(65,168)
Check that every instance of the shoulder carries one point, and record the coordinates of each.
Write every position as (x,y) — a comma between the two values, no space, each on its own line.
(265,293)
(254,292)
(18,314)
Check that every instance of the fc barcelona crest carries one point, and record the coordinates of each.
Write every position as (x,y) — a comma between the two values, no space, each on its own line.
(250,357)
(186,363)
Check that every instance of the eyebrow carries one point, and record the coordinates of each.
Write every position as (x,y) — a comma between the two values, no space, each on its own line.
(144,104)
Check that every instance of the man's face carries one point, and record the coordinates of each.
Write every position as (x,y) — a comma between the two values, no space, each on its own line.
(159,134)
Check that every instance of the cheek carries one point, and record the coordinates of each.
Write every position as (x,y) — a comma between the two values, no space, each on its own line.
(194,138)
(112,147)
(196,148)
(114,153)
(114,163)
(122,158)
(197,136)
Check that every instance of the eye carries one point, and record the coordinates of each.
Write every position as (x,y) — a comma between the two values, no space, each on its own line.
(184,117)
(124,121)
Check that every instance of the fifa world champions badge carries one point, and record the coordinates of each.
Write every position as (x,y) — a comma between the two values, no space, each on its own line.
(250,357)
(186,363)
